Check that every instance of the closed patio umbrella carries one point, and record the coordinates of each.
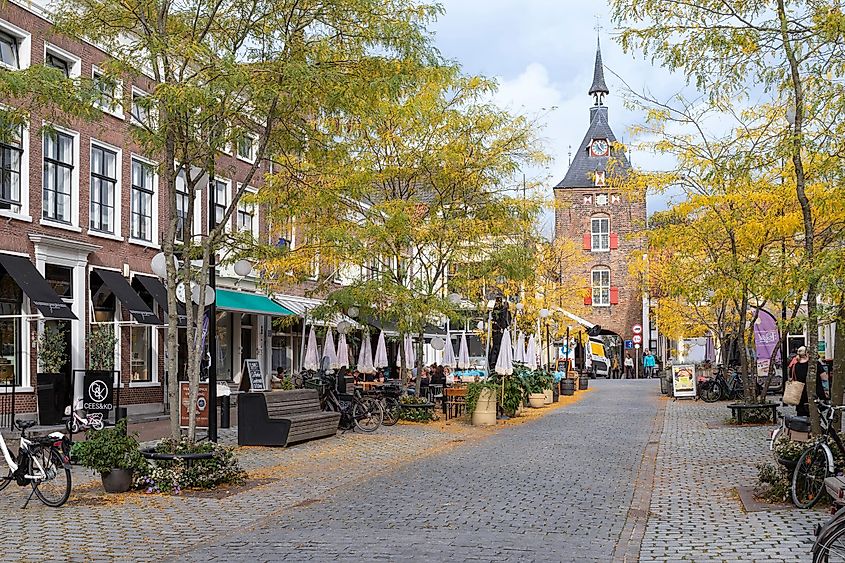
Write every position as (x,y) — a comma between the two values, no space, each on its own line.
(342,352)
(504,363)
(329,350)
(449,354)
(311,362)
(531,354)
(463,353)
(410,354)
(380,360)
(365,356)
(519,348)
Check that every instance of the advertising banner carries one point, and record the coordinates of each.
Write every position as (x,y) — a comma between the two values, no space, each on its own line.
(683,380)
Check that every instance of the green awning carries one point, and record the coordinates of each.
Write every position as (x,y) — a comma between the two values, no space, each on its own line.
(249,303)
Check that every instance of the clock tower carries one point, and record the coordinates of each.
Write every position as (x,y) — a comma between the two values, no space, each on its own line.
(605,223)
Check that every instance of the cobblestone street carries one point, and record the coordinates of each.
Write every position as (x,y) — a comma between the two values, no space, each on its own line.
(622,474)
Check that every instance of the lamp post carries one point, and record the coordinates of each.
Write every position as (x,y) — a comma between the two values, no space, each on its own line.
(212,314)
(545,314)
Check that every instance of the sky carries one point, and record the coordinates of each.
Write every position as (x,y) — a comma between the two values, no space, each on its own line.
(542,52)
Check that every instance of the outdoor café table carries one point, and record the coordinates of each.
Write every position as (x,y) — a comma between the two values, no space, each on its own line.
(369,385)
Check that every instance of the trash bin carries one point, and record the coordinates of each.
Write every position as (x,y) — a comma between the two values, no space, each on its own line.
(665,382)
(225,404)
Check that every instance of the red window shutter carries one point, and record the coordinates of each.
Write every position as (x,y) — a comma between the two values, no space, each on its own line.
(614,295)
(588,241)
(588,299)
(614,241)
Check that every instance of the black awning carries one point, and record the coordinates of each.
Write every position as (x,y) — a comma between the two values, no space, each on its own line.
(159,293)
(127,296)
(33,284)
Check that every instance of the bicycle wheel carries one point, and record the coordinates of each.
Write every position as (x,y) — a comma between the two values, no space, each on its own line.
(808,477)
(54,488)
(711,392)
(832,548)
(392,410)
(367,414)
(5,482)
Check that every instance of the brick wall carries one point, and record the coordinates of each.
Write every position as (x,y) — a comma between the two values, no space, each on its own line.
(574,210)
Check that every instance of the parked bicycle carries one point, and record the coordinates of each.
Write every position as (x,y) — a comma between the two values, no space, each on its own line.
(364,413)
(389,396)
(75,423)
(43,463)
(816,462)
(721,387)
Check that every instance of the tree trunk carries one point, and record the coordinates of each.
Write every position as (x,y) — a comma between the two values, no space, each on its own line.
(402,363)
(420,362)
(837,378)
(749,390)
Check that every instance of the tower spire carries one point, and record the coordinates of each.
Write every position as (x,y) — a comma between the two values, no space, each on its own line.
(599,88)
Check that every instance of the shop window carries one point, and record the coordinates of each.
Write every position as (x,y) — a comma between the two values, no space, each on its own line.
(224,346)
(10,331)
(140,354)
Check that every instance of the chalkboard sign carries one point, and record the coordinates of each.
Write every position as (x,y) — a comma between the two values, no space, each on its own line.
(252,370)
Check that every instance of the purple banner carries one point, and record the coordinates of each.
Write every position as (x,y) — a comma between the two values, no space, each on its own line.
(766,336)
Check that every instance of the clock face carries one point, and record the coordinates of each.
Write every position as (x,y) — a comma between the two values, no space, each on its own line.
(599,147)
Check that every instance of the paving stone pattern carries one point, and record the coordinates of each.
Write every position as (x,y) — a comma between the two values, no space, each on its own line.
(556,489)
(695,514)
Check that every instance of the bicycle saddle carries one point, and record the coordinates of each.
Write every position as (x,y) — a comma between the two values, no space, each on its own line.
(24,424)
(797,423)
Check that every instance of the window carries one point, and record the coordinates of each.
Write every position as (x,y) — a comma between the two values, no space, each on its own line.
(245,219)
(221,200)
(10,330)
(11,158)
(58,63)
(224,346)
(108,93)
(58,176)
(601,287)
(246,148)
(60,279)
(181,206)
(9,50)
(140,108)
(140,354)
(103,182)
(143,177)
(600,234)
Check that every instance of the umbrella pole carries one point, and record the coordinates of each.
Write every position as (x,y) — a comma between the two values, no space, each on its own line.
(302,345)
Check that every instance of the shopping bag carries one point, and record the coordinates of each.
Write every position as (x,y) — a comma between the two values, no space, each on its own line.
(792,392)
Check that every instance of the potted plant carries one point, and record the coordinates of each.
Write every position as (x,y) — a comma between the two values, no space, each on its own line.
(113,453)
(537,382)
(481,402)
(52,357)
(101,343)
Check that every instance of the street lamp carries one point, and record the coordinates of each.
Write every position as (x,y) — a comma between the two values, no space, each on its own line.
(545,314)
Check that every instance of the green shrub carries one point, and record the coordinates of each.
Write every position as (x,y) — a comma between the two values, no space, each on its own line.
(474,392)
(773,482)
(416,415)
(173,476)
(109,448)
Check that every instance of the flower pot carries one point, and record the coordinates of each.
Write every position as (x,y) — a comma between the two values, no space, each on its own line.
(583,382)
(548,396)
(567,387)
(117,480)
(485,410)
(536,400)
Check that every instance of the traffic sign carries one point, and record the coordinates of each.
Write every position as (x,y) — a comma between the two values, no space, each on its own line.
(637,338)
(638,329)
(629,344)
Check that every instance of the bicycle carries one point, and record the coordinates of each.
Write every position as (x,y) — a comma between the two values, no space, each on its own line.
(389,395)
(75,423)
(364,413)
(43,463)
(719,387)
(816,462)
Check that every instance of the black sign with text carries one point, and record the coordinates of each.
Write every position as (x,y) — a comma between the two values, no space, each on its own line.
(98,392)
(252,370)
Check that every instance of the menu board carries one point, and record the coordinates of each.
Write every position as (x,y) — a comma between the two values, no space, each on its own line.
(683,380)
(252,370)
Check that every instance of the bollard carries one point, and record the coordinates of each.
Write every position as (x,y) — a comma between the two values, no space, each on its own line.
(225,404)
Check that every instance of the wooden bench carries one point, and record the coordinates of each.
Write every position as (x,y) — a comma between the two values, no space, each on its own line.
(281,418)
(738,411)
(456,401)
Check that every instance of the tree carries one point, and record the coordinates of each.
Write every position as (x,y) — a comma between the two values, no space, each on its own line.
(400,189)
(224,72)
(790,51)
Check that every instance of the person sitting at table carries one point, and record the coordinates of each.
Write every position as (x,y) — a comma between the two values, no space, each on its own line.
(458,378)
(439,376)
(369,377)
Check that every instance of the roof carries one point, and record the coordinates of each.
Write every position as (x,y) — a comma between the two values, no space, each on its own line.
(599,86)
(582,170)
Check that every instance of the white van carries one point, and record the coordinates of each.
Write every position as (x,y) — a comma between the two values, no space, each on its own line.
(597,362)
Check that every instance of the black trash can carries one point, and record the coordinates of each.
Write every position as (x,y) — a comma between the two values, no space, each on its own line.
(225,411)
(583,382)
(664,384)
(567,386)
(555,393)
(50,412)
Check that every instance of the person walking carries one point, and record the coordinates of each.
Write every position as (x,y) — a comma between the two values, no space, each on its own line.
(798,368)
(648,364)
(614,367)
(629,366)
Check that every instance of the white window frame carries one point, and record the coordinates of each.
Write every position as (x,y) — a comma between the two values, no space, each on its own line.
(228,183)
(116,109)
(151,115)
(596,288)
(253,145)
(242,206)
(154,242)
(74,62)
(23,214)
(24,45)
(74,184)
(597,237)
(118,192)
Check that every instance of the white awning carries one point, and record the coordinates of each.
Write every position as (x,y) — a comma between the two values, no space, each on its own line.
(301,306)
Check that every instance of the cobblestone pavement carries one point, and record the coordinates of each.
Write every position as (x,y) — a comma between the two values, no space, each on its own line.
(695,514)
(556,489)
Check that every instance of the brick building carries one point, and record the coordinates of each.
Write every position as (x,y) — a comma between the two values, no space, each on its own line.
(603,222)
(81,215)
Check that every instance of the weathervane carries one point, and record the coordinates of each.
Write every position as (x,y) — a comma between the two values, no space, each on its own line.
(598,27)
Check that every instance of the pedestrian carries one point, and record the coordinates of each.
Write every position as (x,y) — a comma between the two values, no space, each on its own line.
(629,366)
(799,366)
(648,364)
(614,367)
